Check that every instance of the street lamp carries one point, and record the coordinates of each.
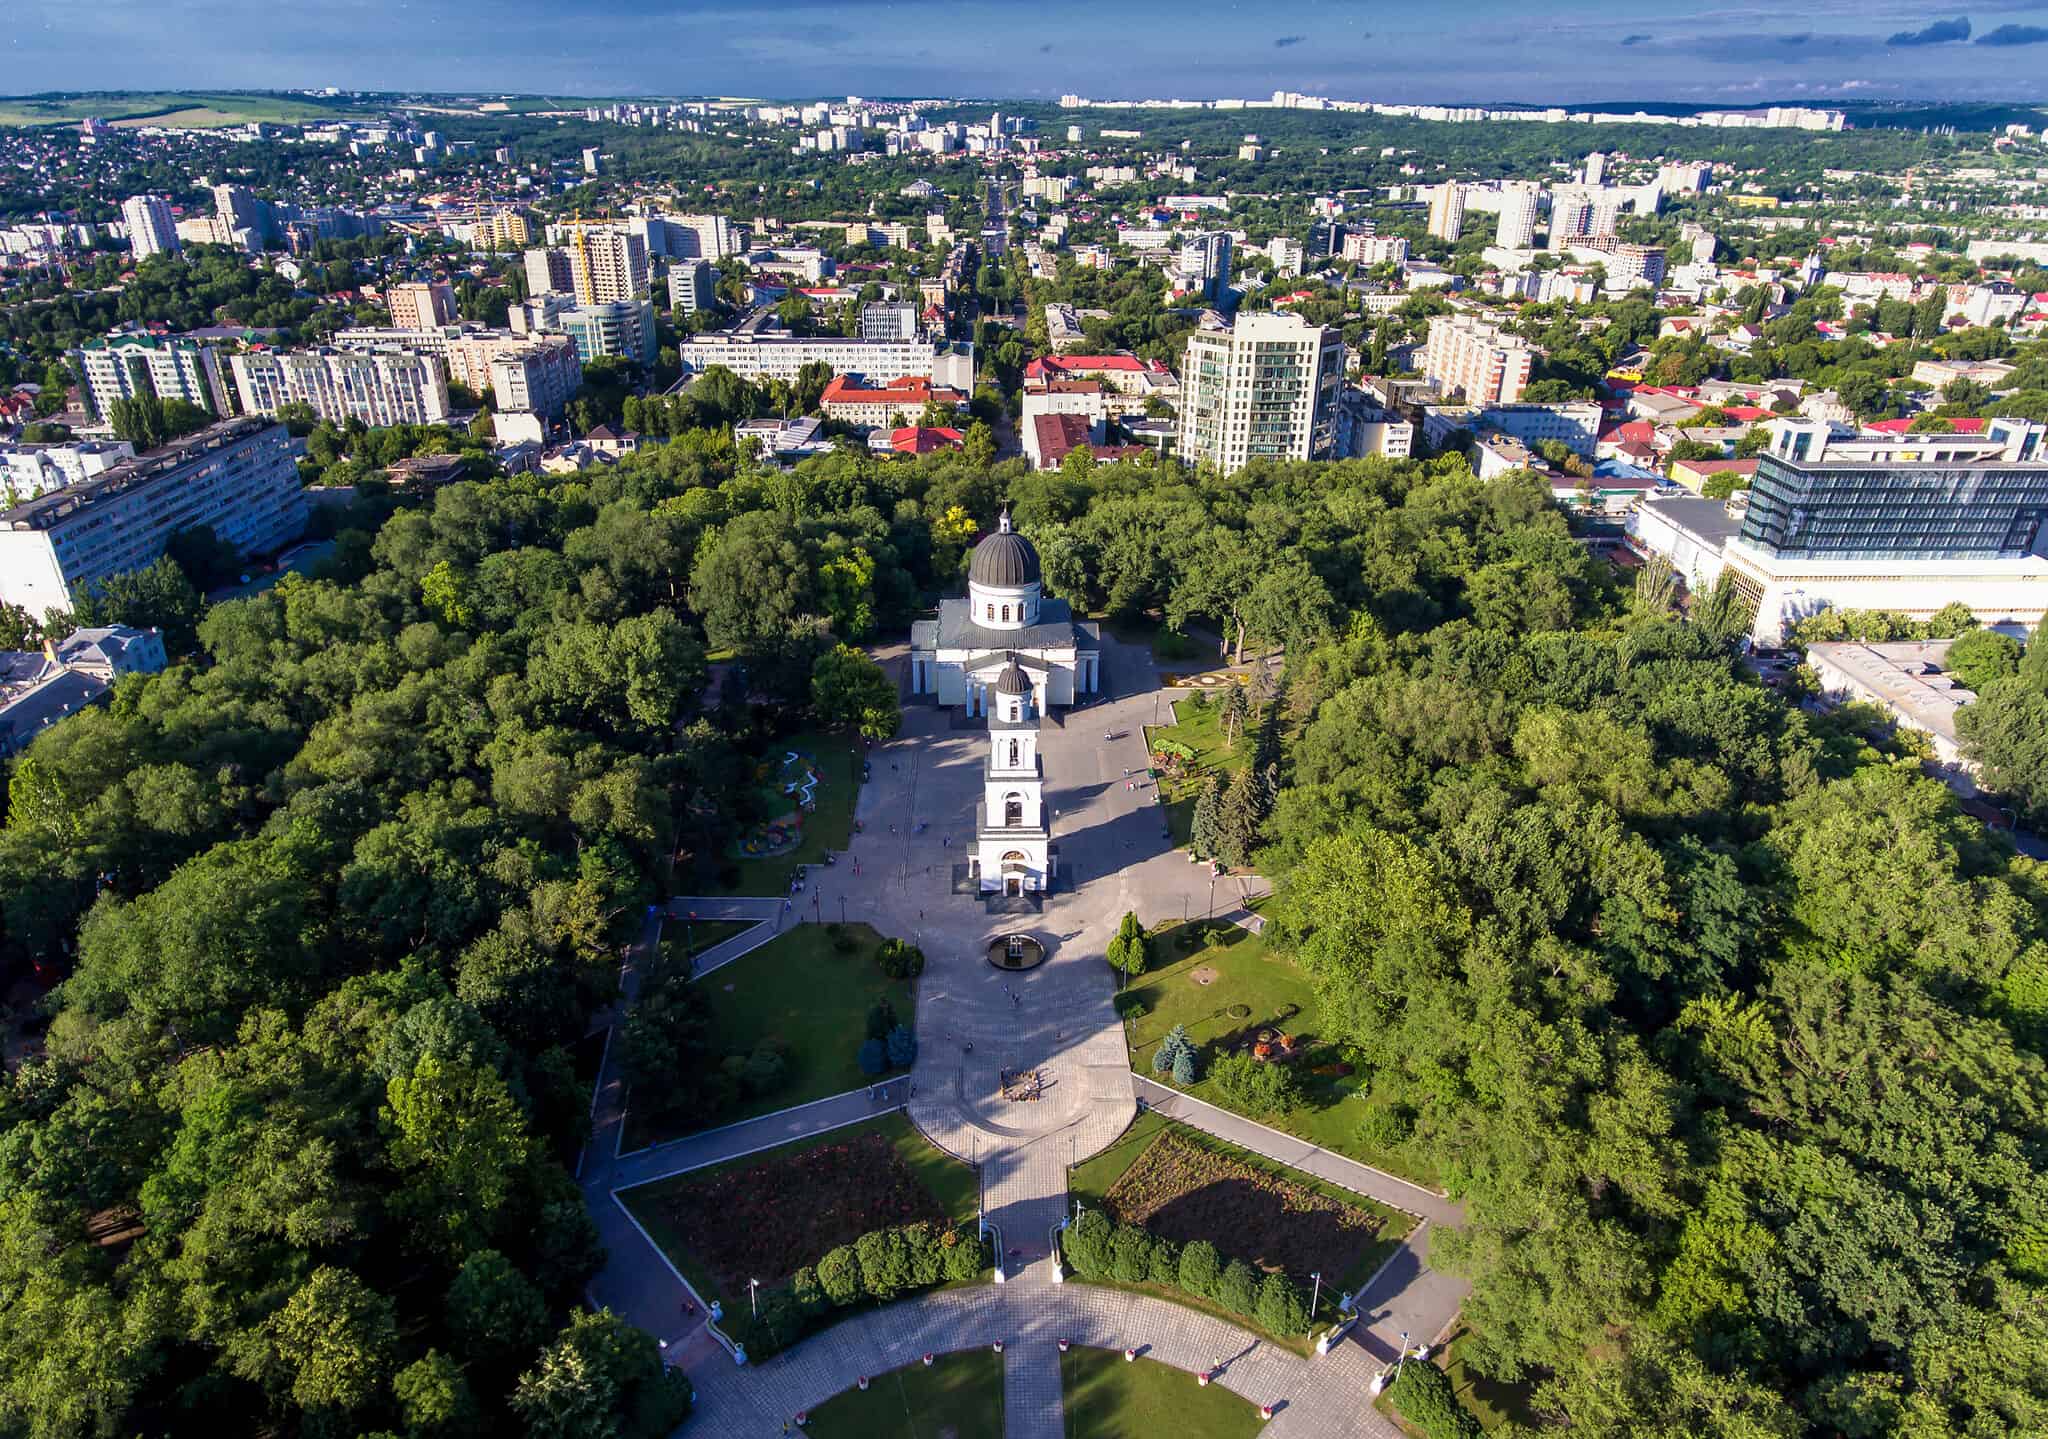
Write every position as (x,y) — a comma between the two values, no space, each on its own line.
(1404,1356)
(1211,914)
(842,909)
(754,1299)
(1316,1297)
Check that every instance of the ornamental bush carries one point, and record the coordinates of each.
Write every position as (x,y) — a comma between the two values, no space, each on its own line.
(966,1257)
(874,1057)
(900,960)
(1165,1263)
(884,1256)
(1200,1269)
(1184,1068)
(881,1019)
(1423,1395)
(927,1258)
(1251,1085)
(809,1294)
(1238,1289)
(1130,1255)
(1085,1242)
(1281,1309)
(1385,1127)
(839,1275)
(902,1047)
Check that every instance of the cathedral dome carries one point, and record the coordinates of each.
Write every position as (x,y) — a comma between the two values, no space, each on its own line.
(1005,560)
(1013,680)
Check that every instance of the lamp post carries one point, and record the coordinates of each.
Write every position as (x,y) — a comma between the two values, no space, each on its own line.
(1316,1297)
(842,909)
(754,1299)
(1404,1356)
(1211,912)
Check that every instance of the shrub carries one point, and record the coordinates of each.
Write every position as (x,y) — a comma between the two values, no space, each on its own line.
(927,1256)
(1085,1242)
(1281,1309)
(1131,1005)
(1248,1084)
(1423,1394)
(839,1275)
(884,1256)
(842,942)
(764,1070)
(1165,1263)
(1238,1289)
(881,1019)
(965,1257)
(900,960)
(1385,1127)
(902,1047)
(1184,1068)
(1130,1255)
(779,1323)
(874,1057)
(1200,1269)
(1175,1055)
(809,1294)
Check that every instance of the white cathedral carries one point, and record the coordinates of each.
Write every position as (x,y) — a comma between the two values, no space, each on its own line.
(1006,653)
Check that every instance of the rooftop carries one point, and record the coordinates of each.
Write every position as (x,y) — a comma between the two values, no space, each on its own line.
(47,509)
(1907,677)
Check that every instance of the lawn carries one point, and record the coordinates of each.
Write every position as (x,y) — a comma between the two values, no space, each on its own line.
(1221,981)
(1200,728)
(743,1220)
(959,1397)
(700,934)
(836,756)
(201,110)
(1108,1397)
(1185,1185)
(802,991)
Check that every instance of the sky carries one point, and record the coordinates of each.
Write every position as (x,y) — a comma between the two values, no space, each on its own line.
(1545,51)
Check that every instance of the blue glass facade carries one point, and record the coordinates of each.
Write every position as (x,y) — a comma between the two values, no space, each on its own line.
(1898,511)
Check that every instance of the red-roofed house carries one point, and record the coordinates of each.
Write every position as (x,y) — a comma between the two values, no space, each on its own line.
(923,439)
(851,401)
(1125,373)
(1051,438)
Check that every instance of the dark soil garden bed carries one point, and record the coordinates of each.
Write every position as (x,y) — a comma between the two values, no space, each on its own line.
(765,1221)
(1183,1191)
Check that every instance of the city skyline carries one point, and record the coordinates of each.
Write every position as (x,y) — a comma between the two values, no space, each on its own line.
(1472,50)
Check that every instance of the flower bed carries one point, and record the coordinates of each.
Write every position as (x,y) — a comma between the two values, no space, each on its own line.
(764,1221)
(1181,1190)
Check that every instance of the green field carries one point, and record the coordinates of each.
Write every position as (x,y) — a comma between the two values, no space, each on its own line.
(814,999)
(1201,730)
(827,827)
(960,1395)
(1108,1397)
(1250,974)
(198,110)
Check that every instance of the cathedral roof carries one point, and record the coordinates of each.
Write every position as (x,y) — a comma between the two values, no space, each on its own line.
(1005,560)
(1013,680)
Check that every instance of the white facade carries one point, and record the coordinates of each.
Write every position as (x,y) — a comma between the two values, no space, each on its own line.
(238,478)
(151,231)
(1264,389)
(1447,211)
(30,470)
(1013,842)
(780,356)
(608,267)
(540,377)
(127,366)
(1516,228)
(382,388)
(692,286)
(1478,360)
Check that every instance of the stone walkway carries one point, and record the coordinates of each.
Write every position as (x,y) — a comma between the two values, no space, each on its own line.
(975,1023)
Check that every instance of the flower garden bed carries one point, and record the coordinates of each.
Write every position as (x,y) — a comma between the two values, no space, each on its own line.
(1184,1190)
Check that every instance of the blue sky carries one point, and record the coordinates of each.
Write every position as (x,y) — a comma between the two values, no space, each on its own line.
(1461,50)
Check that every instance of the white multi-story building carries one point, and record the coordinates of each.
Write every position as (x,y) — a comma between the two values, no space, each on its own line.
(124,367)
(1596,169)
(384,387)
(151,231)
(889,320)
(1575,424)
(1376,249)
(1516,228)
(35,469)
(620,328)
(238,478)
(548,272)
(607,267)
(1288,255)
(1447,211)
(540,377)
(780,356)
(1477,360)
(1632,265)
(692,286)
(1267,388)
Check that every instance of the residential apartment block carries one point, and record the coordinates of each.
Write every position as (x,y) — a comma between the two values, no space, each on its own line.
(754,355)
(123,367)
(238,478)
(692,286)
(1447,211)
(1477,361)
(151,231)
(1267,388)
(384,387)
(421,306)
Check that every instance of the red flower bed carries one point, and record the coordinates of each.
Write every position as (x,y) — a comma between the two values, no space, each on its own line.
(768,1220)
(1183,1191)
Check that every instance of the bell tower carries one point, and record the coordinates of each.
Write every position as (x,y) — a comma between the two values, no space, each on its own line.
(1013,844)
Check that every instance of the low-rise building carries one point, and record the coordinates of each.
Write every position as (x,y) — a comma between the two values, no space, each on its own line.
(39,689)
(778,355)
(851,401)
(28,470)
(1908,680)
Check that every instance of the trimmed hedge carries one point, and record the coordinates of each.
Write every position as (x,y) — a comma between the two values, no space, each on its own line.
(1129,1254)
(1423,1395)
(881,1265)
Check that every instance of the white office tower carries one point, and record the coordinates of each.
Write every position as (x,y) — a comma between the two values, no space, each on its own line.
(1596,169)
(1013,847)
(1516,229)
(692,286)
(548,272)
(1447,211)
(151,231)
(1264,389)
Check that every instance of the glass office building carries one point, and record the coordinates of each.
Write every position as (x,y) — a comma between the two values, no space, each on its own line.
(1823,497)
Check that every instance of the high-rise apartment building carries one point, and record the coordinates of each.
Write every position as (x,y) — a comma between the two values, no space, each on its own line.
(1447,211)
(1376,249)
(237,478)
(380,388)
(244,218)
(1596,169)
(1485,365)
(1629,266)
(692,286)
(548,272)
(151,231)
(889,320)
(1516,228)
(124,367)
(1205,258)
(608,267)
(622,328)
(538,378)
(1267,388)
(1571,218)
(422,306)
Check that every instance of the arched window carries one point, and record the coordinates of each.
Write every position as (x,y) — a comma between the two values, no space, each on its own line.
(991,611)
(1006,614)
(1015,760)
(1013,809)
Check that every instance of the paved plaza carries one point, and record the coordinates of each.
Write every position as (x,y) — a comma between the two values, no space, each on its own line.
(975,1024)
